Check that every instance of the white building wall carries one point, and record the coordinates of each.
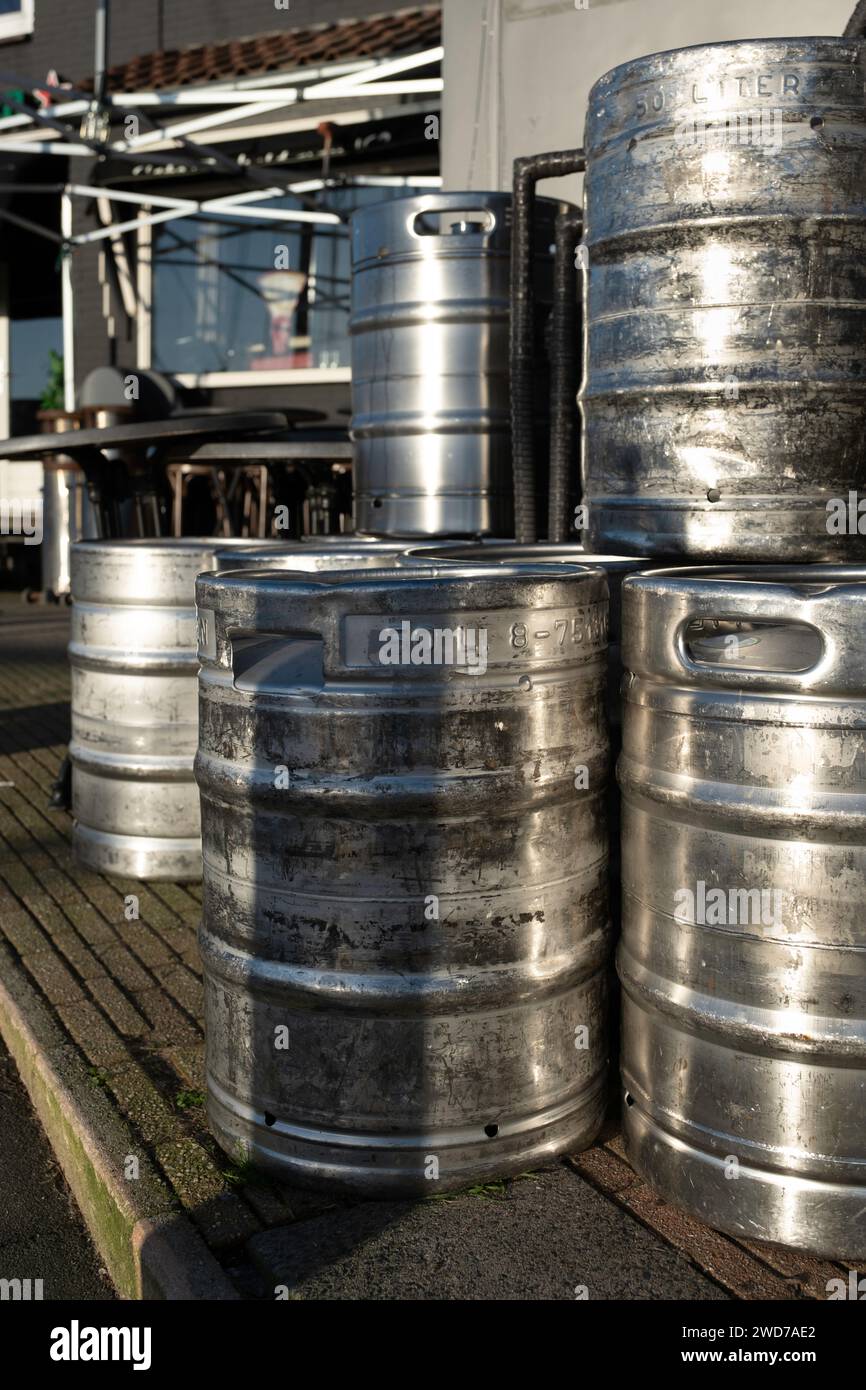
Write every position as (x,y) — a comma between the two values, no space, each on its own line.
(518,72)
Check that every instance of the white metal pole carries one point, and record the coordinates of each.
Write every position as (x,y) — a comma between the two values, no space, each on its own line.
(144,287)
(67,301)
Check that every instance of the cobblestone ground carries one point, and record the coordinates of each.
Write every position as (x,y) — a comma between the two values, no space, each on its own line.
(128,994)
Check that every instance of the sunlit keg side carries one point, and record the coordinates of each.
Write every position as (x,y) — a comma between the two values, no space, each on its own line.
(430,376)
(403,782)
(744,898)
(725,229)
(134,705)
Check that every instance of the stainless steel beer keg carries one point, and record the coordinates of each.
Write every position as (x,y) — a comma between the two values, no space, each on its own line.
(725,223)
(134,705)
(430,378)
(405,920)
(743,778)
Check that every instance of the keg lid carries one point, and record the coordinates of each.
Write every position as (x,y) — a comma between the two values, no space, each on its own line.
(423,575)
(314,554)
(524,618)
(511,552)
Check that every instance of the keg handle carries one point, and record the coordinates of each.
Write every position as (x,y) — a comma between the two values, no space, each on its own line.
(771,605)
(460,226)
(281,661)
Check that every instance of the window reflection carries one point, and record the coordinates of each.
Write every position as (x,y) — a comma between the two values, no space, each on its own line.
(257,296)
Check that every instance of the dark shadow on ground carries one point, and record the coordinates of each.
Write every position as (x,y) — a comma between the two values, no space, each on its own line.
(34,726)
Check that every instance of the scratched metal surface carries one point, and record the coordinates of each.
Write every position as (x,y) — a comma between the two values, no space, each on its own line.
(422,902)
(724,392)
(134,705)
(743,778)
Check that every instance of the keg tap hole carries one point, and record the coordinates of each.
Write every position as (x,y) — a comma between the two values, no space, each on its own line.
(491,1131)
(377,501)
(629,1098)
(817,122)
(270,1119)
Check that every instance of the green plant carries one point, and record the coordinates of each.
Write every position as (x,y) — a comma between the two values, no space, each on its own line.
(187,1100)
(52,397)
(243,1174)
(488,1189)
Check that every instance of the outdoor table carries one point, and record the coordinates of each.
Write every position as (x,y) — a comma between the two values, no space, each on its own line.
(120,461)
(249,462)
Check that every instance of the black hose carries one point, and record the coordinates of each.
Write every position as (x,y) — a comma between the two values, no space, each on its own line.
(856,26)
(528,171)
(563,372)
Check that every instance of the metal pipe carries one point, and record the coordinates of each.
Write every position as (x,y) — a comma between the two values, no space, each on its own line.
(100,64)
(67,302)
(563,372)
(856,26)
(34,227)
(528,171)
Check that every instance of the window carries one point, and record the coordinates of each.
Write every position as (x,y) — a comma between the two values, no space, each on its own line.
(16,18)
(31,343)
(258,297)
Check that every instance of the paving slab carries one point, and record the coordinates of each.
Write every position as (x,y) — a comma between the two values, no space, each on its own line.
(549,1236)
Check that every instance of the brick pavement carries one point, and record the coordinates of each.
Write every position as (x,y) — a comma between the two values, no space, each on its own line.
(127,993)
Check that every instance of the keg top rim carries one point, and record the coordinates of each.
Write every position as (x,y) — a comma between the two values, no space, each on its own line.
(541,552)
(768,40)
(425,576)
(157,544)
(793,576)
(465,198)
(269,547)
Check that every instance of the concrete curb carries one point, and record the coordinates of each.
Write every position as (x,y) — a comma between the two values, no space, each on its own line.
(150,1248)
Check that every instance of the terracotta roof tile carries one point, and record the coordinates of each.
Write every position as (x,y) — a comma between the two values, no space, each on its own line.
(376,36)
